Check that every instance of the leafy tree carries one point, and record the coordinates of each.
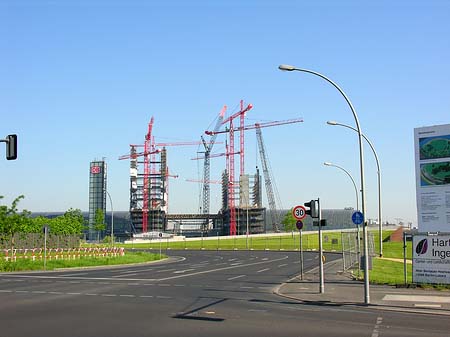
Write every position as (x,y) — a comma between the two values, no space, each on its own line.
(12,222)
(99,222)
(289,222)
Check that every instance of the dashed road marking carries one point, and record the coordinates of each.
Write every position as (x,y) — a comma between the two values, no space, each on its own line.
(263,270)
(182,271)
(236,277)
(376,329)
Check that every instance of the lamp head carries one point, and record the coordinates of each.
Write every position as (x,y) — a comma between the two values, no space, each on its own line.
(327,163)
(331,122)
(286,67)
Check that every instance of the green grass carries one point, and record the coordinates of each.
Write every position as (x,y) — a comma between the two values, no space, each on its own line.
(388,272)
(275,242)
(28,264)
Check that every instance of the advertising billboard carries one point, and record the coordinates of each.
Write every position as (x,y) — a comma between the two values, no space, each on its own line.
(431,259)
(432,152)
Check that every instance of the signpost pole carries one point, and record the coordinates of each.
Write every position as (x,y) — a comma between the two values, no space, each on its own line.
(45,247)
(301,254)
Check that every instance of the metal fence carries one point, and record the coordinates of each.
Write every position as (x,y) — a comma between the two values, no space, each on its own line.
(33,240)
(352,248)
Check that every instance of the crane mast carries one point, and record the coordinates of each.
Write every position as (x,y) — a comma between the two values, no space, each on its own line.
(207,164)
(274,218)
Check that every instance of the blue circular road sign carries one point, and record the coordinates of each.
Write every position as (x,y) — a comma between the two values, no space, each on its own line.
(299,224)
(357,218)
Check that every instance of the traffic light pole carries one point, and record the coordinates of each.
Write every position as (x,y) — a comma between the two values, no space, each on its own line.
(322,283)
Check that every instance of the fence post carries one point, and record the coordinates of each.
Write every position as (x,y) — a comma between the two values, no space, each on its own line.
(343,250)
(404,259)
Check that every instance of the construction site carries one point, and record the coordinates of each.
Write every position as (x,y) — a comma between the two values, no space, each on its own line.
(242,210)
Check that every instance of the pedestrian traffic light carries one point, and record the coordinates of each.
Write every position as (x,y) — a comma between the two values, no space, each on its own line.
(313,210)
(11,147)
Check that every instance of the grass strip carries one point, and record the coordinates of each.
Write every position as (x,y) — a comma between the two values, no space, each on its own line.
(28,264)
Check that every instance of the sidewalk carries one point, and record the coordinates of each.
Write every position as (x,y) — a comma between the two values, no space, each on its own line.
(341,290)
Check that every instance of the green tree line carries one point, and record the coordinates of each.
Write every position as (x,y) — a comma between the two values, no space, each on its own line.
(12,221)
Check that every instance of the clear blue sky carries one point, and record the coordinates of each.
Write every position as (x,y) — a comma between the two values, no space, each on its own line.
(79,80)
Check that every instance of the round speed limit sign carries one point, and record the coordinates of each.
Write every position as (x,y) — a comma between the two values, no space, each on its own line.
(299,212)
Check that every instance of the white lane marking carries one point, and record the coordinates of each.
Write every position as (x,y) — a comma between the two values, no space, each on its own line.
(124,275)
(109,295)
(376,332)
(56,292)
(143,279)
(182,271)
(146,296)
(5,291)
(76,274)
(417,298)
(90,294)
(263,270)
(224,268)
(164,270)
(265,259)
(232,260)
(73,293)
(282,265)
(236,264)
(246,287)
(39,292)
(423,305)
(127,295)
(21,291)
(236,277)
(163,297)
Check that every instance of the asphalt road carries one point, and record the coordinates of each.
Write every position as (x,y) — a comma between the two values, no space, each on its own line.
(199,293)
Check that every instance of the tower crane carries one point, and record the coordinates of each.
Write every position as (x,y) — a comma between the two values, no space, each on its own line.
(274,213)
(207,164)
(242,128)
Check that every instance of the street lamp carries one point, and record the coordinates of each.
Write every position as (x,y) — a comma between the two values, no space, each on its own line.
(380,222)
(112,219)
(361,163)
(357,204)
(351,178)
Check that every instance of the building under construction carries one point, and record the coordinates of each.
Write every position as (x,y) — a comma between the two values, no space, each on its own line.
(242,210)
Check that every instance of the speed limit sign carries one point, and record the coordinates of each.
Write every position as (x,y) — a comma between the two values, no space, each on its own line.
(299,212)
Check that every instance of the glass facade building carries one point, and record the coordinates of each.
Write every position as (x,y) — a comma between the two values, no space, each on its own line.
(97,194)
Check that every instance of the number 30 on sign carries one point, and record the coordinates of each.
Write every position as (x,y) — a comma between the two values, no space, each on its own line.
(299,212)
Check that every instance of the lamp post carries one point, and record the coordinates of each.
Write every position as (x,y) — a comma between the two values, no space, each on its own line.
(357,205)
(351,178)
(112,219)
(380,222)
(361,163)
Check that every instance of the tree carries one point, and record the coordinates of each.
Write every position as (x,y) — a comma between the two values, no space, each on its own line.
(99,222)
(12,222)
(289,222)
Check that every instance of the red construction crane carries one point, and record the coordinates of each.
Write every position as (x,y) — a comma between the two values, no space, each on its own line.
(230,153)
(230,157)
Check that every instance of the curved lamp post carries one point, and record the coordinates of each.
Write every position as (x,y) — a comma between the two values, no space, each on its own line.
(351,178)
(361,163)
(112,219)
(357,206)
(380,222)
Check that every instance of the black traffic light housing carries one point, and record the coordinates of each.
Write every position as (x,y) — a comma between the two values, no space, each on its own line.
(11,147)
(313,210)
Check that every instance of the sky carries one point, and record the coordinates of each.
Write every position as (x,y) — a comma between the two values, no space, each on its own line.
(80,80)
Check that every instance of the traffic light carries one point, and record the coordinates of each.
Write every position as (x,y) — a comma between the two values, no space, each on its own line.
(11,147)
(313,210)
